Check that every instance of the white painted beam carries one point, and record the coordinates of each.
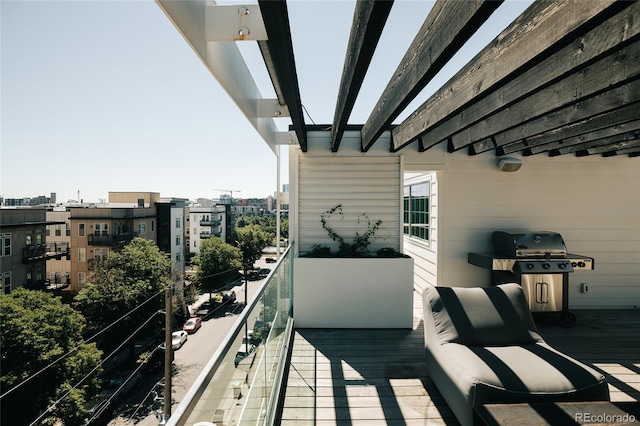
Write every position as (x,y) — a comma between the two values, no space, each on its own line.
(222,58)
(234,23)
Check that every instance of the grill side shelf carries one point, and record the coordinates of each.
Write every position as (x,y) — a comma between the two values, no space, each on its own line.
(490,262)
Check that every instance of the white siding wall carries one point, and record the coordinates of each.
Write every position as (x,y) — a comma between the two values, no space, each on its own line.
(594,203)
(367,184)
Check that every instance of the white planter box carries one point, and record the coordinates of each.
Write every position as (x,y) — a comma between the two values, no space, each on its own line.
(353,292)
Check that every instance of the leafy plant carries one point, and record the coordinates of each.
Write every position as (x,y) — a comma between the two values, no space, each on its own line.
(361,242)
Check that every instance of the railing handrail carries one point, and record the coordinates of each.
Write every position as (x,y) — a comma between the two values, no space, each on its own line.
(197,389)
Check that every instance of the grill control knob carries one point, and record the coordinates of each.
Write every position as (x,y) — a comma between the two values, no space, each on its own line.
(546,266)
(582,264)
(562,265)
(530,266)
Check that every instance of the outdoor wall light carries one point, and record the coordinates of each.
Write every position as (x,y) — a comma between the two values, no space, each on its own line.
(509,164)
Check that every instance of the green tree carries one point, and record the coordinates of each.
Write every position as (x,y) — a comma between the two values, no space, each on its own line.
(43,358)
(284,228)
(216,263)
(133,277)
(251,240)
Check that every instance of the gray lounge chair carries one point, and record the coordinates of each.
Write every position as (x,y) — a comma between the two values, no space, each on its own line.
(483,347)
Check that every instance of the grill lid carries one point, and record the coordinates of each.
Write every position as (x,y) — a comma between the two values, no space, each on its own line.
(529,244)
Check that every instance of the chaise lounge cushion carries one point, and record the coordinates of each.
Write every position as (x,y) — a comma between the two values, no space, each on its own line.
(482,346)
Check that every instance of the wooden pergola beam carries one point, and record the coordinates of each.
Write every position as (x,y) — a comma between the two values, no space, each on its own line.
(621,28)
(447,28)
(602,120)
(369,18)
(278,56)
(520,46)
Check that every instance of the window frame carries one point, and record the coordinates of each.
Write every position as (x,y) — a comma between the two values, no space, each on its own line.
(416,211)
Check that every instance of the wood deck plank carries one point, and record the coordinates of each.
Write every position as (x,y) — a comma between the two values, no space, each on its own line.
(370,377)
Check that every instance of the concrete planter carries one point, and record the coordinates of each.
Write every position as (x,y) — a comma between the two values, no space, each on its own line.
(353,292)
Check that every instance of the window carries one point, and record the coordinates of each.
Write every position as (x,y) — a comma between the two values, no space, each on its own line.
(178,240)
(6,244)
(142,228)
(6,282)
(100,253)
(416,210)
(178,223)
(82,254)
(100,229)
(58,231)
(82,279)
(153,226)
(28,239)
(68,229)
(178,257)
(81,230)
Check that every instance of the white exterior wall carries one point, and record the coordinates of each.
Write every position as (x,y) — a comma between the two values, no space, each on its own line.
(594,203)
(196,214)
(367,184)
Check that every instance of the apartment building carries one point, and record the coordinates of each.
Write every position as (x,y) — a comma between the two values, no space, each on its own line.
(58,233)
(207,222)
(98,228)
(172,213)
(25,249)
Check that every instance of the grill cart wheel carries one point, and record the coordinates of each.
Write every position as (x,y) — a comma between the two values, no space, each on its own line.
(567,319)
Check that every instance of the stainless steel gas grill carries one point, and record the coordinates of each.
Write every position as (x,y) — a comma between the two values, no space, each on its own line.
(539,262)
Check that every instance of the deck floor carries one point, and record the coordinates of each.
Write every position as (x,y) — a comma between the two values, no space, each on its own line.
(378,377)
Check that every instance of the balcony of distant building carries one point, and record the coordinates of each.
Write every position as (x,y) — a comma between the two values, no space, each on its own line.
(45,251)
(113,239)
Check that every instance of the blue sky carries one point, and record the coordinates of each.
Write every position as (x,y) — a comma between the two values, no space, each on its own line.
(102,96)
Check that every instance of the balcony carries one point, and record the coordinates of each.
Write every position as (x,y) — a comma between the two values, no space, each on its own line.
(111,239)
(45,251)
(205,235)
(210,222)
(57,281)
(369,376)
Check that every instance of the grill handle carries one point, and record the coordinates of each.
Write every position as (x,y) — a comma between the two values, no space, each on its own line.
(542,293)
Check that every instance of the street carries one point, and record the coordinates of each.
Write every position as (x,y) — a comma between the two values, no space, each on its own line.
(140,408)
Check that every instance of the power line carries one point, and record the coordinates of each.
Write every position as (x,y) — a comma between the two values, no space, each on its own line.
(115,351)
(75,349)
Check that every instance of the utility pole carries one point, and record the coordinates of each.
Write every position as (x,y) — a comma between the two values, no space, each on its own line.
(168,356)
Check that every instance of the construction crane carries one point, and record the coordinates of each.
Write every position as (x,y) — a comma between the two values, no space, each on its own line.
(229,191)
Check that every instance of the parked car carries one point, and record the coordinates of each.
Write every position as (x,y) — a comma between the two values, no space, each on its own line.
(243,351)
(192,325)
(229,297)
(114,387)
(121,384)
(270,260)
(263,272)
(204,309)
(178,338)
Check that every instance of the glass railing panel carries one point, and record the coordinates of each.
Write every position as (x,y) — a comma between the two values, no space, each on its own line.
(241,383)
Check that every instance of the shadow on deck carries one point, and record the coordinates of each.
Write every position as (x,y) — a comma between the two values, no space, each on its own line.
(378,377)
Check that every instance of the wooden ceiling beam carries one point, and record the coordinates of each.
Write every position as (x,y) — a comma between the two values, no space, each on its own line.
(604,137)
(447,28)
(632,150)
(519,47)
(621,28)
(608,72)
(613,117)
(369,19)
